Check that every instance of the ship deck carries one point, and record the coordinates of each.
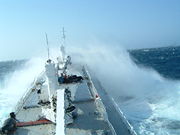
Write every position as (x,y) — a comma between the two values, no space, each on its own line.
(96,114)
(38,118)
(91,119)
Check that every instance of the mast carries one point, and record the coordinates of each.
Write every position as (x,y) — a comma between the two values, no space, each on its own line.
(63,44)
(47,43)
(64,36)
(63,60)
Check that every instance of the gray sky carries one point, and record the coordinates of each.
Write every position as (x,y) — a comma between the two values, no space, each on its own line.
(130,23)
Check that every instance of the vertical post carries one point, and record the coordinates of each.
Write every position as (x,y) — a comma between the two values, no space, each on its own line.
(63,53)
(51,73)
(64,36)
(47,44)
(60,129)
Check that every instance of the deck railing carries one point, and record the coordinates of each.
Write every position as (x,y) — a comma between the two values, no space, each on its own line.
(124,119)
(25,96)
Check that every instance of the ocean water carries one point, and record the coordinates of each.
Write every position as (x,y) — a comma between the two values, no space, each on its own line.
(164,60)
(7,67)
(158,113)
(15,79)
(145,84)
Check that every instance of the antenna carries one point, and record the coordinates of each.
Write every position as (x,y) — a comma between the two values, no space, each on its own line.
(47,44)
(64,36)
(62,48)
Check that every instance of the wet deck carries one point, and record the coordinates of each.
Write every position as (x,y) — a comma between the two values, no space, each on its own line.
(91,119)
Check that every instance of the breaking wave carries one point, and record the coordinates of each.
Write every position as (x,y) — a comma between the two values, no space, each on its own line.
(149,101)
(15,85)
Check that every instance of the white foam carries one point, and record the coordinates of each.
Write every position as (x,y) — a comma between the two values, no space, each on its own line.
(146,95)
(16,84)
(143,95)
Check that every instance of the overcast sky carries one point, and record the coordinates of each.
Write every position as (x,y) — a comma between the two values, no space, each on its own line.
(130,23)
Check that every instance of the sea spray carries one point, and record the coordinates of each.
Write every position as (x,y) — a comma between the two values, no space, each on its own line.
(147,99)
(17,83)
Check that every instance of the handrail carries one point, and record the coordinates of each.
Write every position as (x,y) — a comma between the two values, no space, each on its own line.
(125,121)
(90,84)
(26,94)
(94,94)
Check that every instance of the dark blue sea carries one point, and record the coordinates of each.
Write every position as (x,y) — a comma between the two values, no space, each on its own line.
(165,60)
(8,67)
(164,115)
